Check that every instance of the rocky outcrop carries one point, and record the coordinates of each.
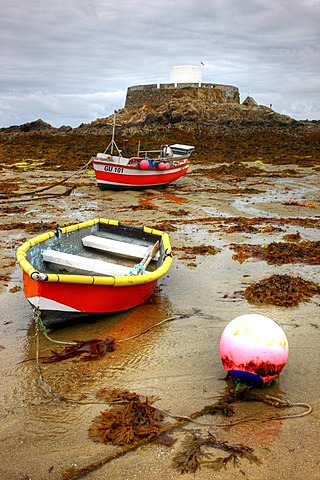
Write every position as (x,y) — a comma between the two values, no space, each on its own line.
(37,126)
(184,112)
(189,116)
(220,133)
(250,102)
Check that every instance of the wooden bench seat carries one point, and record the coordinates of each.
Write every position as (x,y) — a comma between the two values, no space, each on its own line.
(85,263)
(117,247)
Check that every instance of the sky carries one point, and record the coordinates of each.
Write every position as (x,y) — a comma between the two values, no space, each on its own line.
(70,62)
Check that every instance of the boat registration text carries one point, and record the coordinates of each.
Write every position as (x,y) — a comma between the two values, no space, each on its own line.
(109,168)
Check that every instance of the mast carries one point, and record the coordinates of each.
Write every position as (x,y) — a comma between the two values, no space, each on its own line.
(113,144)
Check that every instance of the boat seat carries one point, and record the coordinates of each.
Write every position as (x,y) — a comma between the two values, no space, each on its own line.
(115,246)
(85,263)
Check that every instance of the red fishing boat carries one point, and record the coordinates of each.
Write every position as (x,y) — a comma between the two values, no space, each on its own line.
(94,267)
(152,168)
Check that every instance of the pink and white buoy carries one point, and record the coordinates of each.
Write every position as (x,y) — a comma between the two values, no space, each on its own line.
(253,349)
(144,164)
(161,165)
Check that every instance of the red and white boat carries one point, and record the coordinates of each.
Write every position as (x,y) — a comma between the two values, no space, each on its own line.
(94,267)
(153,168)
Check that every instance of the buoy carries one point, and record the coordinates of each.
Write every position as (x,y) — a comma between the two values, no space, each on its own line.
(253,349)
(144,164)
(161,166)
(166,165)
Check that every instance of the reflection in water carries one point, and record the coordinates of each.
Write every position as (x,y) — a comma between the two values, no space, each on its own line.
(257,204)
(49,408)
(261,430)
(150,200)
(52,420)
(258,433)
(174,198)
(76,379)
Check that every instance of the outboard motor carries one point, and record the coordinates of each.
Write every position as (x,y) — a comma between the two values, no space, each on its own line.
(166,152)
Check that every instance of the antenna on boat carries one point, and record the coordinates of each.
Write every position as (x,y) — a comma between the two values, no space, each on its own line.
(113,144)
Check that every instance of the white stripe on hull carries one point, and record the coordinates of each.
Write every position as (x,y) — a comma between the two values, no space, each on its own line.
(47,304)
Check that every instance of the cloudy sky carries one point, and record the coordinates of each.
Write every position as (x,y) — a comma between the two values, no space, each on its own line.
(71,61)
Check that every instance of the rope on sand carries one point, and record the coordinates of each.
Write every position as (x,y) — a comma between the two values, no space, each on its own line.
(170,319)
(40,327)
(81,472)
(40,190)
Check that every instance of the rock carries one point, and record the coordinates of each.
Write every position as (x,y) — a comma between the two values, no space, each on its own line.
(36,126)
(221,133)
(250,102)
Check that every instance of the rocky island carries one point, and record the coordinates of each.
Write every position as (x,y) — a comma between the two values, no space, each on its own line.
(222,129)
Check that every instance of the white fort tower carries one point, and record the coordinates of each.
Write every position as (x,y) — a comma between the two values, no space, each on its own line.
(185,81)
(185,74)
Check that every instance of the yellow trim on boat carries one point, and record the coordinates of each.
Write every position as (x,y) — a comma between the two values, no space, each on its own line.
(116,281)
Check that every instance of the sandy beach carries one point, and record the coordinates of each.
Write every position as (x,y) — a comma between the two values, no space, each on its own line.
(47,409)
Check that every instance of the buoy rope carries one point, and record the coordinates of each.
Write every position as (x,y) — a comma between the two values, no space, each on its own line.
(272,417)
(153,326)
(40,190)
(41,382)
(275,402)
(180,421)
(40,327)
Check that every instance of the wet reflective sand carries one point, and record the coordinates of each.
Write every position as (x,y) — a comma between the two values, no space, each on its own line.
(46,410)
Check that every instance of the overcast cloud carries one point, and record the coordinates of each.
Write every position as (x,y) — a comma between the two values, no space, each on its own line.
(71,61)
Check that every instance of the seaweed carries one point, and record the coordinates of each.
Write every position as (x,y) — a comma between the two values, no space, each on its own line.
(244,228)
(195,448)
(87,350)
(131,419)
(292,237)
(166,226)
(281,290)
(279,253)
(200,250)
(194,453)
(235,168)
(303,222)
(295,203)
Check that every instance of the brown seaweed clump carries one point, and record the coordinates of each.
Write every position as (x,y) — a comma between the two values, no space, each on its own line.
(279,253)
(238,169)
(131,418)
(195,453)
(86,350)
(166,226)
(31,227)
(200,250)
(281,290)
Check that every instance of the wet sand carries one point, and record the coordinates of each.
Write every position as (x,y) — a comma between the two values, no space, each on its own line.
(46,413)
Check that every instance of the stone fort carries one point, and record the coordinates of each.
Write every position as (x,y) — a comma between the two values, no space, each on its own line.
(185,81)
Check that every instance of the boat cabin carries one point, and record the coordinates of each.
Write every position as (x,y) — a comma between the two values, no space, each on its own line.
(181,150)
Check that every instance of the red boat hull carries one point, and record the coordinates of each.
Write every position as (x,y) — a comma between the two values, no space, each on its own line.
(116,176)
(69,297)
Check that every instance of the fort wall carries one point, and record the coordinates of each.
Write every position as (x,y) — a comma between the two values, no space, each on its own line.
(156,95)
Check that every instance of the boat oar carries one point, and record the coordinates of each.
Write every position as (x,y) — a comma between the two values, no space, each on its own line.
(151,252)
